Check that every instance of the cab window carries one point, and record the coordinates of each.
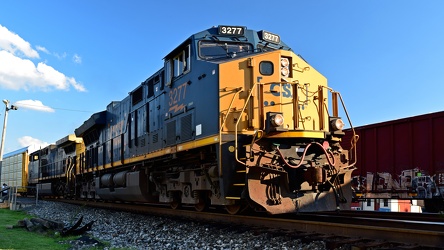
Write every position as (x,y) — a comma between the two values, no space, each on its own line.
(177,65)
(219,50)
(181,62)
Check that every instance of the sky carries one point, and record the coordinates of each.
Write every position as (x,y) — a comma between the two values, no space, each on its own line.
(62,61)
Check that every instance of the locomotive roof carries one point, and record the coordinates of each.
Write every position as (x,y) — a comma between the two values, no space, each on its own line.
(96,119)
(235,34)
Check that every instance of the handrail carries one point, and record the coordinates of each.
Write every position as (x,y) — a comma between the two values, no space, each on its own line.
(261,110)
(238,120)
(295,85)
(355,137)
(238,90)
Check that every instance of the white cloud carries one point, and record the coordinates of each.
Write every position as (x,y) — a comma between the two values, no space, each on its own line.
(33,143)
(33,105)
(60,56)
(76,85)
(42,49)
(18,72)
(77,59)
(15,45)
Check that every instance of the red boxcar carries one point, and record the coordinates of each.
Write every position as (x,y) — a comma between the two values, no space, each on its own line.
(402,144)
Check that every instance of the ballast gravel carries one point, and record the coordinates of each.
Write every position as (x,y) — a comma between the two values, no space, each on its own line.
(114,230)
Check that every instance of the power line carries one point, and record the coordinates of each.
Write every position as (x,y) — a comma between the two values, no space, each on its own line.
(74,110)
(45,107)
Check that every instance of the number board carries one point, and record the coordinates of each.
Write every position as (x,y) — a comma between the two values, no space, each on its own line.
(270,37)
(231,30)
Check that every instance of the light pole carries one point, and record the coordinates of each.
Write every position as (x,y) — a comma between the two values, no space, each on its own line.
(7,108)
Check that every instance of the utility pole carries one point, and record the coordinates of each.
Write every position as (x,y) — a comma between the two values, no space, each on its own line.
(5,121)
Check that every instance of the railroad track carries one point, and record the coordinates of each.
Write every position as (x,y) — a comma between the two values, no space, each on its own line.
(429,217)
(359,230)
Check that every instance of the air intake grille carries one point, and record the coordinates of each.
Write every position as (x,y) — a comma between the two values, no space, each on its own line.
(171,133)
(186,125)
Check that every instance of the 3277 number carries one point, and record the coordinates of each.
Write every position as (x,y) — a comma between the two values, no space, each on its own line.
(231,30)
(270,37)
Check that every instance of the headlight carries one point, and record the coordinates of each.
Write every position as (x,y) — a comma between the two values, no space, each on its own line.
(285,67)
(285,72)
(337,124)
(277,120)
(285,62)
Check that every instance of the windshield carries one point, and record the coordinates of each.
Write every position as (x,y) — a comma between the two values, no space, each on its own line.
(218,50)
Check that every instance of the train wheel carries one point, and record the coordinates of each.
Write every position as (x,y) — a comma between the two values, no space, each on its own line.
(203,203)
(233,209)
(175,204)
(176,201)
(59,189)
(201,206)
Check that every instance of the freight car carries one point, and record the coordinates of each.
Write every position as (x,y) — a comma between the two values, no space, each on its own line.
(401,159)
(14,170)
(234,118)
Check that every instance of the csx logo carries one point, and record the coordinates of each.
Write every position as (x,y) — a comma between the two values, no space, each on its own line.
(285,90)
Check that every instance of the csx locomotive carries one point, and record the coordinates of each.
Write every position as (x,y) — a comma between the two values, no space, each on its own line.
(234,118)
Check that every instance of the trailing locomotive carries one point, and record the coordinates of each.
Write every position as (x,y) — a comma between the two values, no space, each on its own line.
(54,169)
(234,118)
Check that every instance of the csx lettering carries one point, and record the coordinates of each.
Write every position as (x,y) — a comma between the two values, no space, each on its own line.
(178,94)
(275,90)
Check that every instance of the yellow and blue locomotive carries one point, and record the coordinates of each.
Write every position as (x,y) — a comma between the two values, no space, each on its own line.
(53,169)
(234,118)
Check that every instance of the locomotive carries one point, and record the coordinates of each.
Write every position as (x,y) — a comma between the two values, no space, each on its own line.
(233,119)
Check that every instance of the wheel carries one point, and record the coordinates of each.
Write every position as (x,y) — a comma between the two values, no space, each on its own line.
(201,206)
(175,204)
(59,189)
(176,200)
(233,209)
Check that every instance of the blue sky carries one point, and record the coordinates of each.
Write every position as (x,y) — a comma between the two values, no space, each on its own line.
(61,61)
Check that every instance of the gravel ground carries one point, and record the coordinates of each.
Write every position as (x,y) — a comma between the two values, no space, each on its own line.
(134,231)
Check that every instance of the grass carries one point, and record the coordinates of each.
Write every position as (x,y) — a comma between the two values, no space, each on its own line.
(20,238)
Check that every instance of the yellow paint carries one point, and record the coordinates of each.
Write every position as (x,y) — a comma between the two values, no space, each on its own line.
(198,143)
(299,134)
(233,198)
(244,73)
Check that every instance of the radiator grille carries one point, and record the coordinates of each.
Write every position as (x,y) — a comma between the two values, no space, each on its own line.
(186,128)
(171,133)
